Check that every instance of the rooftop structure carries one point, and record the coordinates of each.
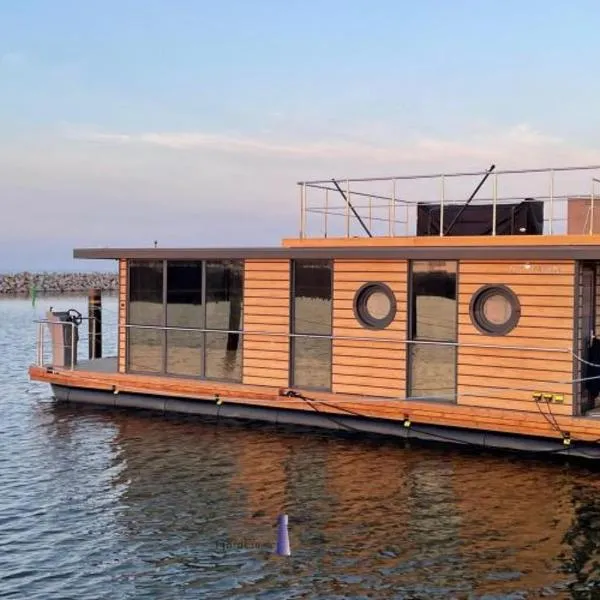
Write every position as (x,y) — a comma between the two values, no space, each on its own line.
(545,201)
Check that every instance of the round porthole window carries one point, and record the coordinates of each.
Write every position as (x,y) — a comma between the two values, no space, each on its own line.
(495,310)
(375,305)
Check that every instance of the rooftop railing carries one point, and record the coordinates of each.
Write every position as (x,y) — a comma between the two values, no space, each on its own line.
(387,206)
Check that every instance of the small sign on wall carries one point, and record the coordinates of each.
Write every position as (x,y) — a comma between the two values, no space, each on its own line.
(540,268)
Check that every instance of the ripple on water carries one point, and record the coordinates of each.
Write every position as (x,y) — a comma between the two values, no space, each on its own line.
(100,504)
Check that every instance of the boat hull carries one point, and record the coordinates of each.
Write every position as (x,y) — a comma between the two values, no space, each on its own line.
(457,436)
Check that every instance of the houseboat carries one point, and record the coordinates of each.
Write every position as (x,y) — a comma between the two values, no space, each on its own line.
(458,307)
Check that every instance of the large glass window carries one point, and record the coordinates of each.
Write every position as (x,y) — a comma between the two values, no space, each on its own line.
(185,311)
(223,356)
(146,292)
(224,294)
(195,308)
(185,305)
(224,307)
(311,323)
(145,349)
(433,330)
(185,353)
(145,346)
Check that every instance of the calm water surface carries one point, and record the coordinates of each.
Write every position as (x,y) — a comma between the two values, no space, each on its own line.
(97,504)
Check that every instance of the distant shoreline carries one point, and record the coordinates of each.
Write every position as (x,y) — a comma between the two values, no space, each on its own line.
(26,283)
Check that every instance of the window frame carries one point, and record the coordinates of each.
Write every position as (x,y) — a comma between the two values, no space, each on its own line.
(360,302)
(164,328)
(129,325)
(128,300)
(477,315)
(413,340)
(293,335)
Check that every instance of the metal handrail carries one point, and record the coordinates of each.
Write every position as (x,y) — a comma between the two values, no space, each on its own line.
(40,339)
(40,336)
(382,204)
(333,337)
(344,337)
(454,174)
(595,185)
(457,201)
(40,344)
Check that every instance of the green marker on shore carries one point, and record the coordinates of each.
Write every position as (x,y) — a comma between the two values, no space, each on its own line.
(33,294)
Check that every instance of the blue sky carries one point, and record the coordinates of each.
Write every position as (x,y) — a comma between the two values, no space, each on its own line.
(190,122)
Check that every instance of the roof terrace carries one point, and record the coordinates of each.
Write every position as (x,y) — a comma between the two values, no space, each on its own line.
(547,201)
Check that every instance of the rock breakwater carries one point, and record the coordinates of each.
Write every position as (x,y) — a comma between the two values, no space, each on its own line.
(24,283)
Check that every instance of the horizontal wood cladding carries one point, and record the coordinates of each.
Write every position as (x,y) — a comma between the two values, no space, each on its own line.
(373,363)
(122,319)
(505,371)
(266,322)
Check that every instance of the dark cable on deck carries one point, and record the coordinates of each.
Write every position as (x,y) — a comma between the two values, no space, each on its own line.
(311,402)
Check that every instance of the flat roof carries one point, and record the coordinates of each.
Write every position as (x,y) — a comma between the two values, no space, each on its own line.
(454,252)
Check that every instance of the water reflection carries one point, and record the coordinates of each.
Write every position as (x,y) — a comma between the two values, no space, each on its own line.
(582,538)
(198,502)
(108,504)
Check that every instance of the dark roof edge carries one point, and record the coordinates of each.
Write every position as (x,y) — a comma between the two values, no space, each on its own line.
(412,253)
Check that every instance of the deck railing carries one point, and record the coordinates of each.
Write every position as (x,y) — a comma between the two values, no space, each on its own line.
(353,338)
(46,359)
(45,349)
(386,206)
(63,337)
(594,196)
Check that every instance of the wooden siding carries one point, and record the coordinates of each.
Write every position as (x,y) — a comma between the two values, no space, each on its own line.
(370,366)
(122,330)
(497,371)
(267,312)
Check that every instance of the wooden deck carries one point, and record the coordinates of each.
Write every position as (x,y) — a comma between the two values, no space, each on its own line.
(108,364)
(102,375)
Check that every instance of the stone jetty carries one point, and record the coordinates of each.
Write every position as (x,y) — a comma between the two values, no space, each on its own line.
(57,283)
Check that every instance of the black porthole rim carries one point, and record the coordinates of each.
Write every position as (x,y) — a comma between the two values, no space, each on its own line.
(476,313)
(359,302)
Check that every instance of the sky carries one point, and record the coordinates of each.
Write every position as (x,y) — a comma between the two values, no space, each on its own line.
(190,122)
